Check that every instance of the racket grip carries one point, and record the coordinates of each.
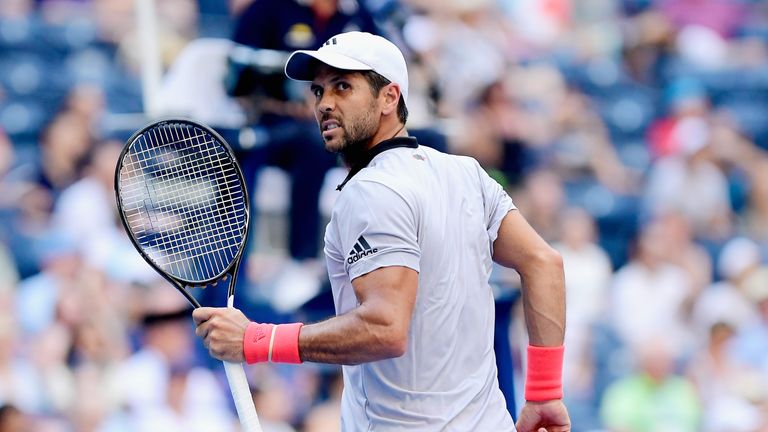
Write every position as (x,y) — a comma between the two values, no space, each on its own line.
(238,384)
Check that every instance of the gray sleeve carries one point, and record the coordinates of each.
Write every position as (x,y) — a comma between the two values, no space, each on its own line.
(497,203)
(377,228)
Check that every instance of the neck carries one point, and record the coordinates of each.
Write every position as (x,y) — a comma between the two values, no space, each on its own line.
(387,133)
(355,156)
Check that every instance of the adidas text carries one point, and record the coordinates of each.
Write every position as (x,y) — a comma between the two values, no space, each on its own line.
(354,258)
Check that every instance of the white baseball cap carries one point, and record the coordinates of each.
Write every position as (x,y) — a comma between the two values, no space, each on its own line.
(353,51)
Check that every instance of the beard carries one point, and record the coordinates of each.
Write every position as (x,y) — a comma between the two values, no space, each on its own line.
(359,130)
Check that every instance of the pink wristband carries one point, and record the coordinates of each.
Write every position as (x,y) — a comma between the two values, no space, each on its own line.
(270,342)
(544,378)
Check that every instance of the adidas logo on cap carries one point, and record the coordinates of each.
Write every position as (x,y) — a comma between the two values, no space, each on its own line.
(361,249)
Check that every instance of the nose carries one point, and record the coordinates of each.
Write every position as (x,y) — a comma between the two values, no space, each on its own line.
(325,104)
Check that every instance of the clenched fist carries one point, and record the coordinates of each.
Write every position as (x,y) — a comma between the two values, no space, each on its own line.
(222,331)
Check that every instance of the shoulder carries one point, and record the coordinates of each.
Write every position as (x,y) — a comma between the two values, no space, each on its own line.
(374,188)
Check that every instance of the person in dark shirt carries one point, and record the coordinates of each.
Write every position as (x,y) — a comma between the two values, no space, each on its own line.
(293,143)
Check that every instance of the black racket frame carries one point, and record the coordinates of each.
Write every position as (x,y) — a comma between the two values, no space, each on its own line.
(230,272)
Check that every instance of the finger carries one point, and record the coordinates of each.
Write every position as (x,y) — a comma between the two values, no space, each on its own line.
(202,330)
(527,424)
(203,314)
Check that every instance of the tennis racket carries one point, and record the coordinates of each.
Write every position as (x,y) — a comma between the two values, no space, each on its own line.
(182,199)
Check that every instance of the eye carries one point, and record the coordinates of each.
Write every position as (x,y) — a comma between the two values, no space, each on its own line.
(317,91)
(343,85)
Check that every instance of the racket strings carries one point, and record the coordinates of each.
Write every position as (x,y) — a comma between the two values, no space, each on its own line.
(186,249)
(216,240)
(184,201)
(170,187)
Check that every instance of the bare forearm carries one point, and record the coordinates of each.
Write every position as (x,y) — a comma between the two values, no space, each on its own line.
(544,301)
(352,338)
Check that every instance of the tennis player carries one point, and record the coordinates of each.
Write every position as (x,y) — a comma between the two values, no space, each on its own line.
(409,250)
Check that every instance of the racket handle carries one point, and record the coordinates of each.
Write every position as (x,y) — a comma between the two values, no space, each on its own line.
(238,384)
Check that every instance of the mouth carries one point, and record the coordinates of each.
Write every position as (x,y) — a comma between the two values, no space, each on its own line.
(328,127)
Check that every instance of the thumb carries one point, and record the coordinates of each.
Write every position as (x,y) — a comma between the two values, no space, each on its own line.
(202,314)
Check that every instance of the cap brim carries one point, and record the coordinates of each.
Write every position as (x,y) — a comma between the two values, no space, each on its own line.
(301,65)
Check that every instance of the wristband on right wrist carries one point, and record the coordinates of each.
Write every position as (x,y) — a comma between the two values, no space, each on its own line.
(272,343)
(544,377)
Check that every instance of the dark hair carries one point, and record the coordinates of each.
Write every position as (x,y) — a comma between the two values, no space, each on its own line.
(378,82)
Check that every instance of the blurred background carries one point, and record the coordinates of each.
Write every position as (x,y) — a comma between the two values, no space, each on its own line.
(632,134)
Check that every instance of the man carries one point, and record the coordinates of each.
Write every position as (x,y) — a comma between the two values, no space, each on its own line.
(409,250)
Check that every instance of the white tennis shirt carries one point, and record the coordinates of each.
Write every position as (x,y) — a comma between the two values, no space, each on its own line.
(439,215)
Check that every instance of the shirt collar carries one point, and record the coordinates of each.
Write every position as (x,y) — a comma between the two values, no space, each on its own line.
(379,148)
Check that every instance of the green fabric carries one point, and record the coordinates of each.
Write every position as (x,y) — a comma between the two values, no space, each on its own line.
(637,404)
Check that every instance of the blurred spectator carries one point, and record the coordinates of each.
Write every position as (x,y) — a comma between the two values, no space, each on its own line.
(16,9)
(65,144)
(174,413)
(751,344)
(178,17)
(587,280)
(54,377)
(649,295)
(193,88)
(98,317)
(727,301)
(160,379)
(7,159)
(8,274)
(582,149)
(86,213)
(692,184)
(495,134)
(39,295)
(727,389)
(87,101)
(531,88)
(23,215)
(653,397)
(541,200)
(471,45)
(682,250)
(326,416)
(18,378)
(86,209)
(13,420)
(543,23)
(648,36)
(742,158)
(686,99)
(274,404)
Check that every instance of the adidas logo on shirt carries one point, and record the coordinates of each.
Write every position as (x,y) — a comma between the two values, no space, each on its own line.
(361,249)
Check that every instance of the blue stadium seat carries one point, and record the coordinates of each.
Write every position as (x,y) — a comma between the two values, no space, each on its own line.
(627,109)
(617,216)
(71,35)
(634,153)
(23,119)
(24,75)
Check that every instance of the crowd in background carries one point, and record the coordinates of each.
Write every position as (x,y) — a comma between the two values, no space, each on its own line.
(633,135)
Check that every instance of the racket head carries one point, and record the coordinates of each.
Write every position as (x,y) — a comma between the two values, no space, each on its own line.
(182,199)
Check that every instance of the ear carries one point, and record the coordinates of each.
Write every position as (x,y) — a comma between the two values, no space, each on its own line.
(391,95)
